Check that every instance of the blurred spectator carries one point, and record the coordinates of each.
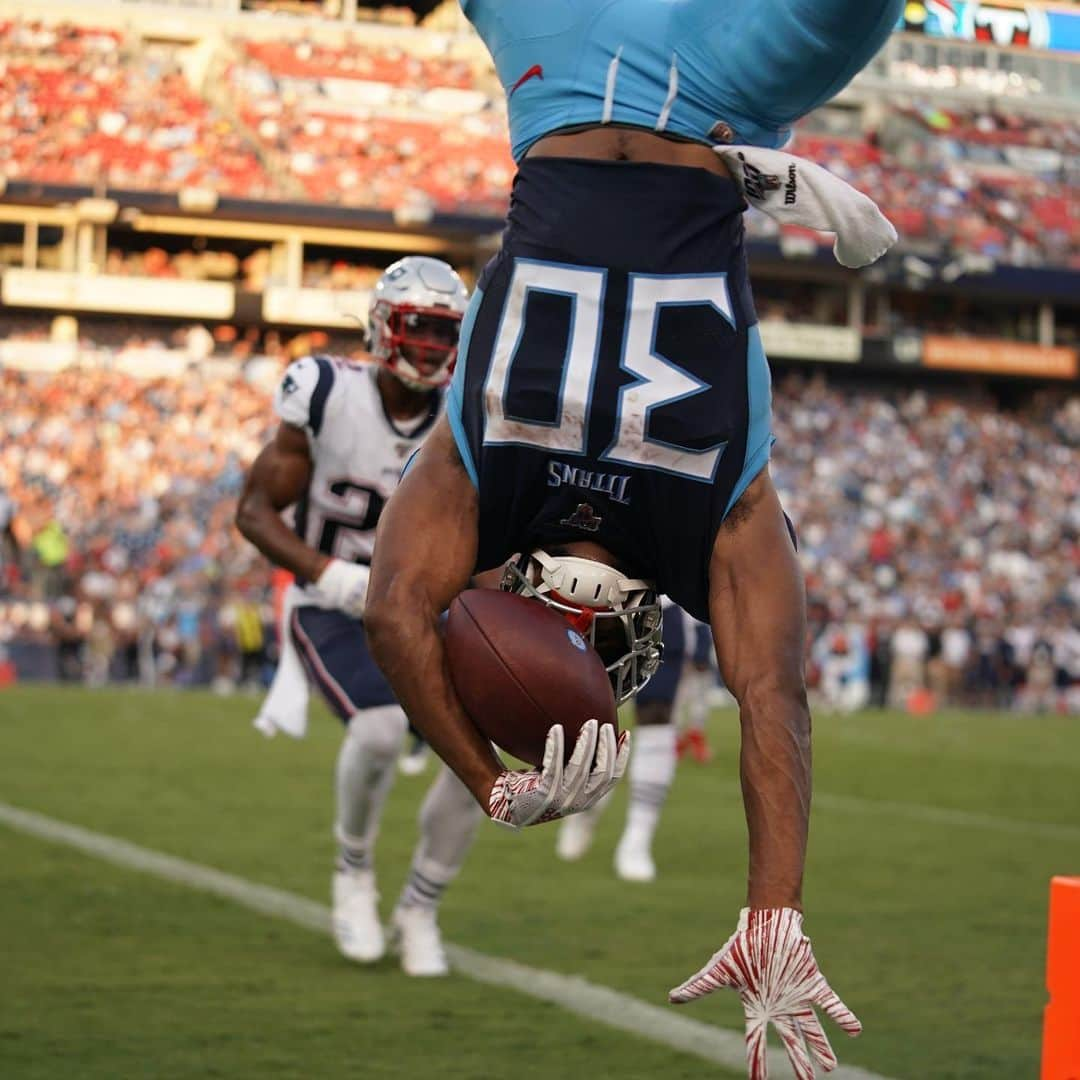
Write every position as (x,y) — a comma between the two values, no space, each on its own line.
(947,529)
(908,670)
(76,106)
(9,544)
(940,535)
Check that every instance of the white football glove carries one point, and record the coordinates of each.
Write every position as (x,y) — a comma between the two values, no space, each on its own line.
(343,585)
(768,962)
(518,799)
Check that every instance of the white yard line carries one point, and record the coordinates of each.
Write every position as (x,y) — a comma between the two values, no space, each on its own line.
(609,1007)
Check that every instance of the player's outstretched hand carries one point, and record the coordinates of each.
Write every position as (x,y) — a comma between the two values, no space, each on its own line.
(553,791)
(769,962)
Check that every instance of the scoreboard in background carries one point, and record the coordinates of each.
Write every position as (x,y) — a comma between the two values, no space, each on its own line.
(1009,25)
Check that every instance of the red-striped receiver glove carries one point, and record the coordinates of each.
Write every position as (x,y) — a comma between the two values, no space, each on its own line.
(518,799)
(768,960)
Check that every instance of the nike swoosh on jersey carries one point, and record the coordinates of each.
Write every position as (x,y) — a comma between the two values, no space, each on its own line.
(535,72)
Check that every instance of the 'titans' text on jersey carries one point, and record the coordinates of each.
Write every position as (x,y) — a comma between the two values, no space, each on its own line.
(357,451)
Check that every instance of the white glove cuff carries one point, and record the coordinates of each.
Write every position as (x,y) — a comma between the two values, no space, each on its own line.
(344,585)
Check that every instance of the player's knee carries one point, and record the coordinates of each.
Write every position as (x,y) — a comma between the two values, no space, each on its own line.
(377,733)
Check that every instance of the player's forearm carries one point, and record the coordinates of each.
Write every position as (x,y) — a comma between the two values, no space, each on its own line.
(262,525)
(408,647)
(776,783)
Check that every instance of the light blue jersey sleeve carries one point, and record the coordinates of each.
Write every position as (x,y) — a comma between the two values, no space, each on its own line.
(739,71)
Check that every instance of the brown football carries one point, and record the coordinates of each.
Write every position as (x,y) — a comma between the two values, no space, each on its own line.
(519,668)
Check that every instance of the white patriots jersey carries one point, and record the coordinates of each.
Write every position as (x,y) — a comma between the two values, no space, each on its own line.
(357,451)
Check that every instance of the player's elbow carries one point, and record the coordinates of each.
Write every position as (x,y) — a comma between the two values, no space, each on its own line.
(776,694)
(392,615)
(247,518)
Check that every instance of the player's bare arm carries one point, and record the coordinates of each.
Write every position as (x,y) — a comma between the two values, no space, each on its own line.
(279,478)
(424,557)
(757,604)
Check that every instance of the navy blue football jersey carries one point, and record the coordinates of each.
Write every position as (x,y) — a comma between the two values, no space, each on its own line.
(611,383)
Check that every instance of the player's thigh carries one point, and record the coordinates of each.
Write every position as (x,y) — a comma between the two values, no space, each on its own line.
(426,544)
(757,599)
(334,651)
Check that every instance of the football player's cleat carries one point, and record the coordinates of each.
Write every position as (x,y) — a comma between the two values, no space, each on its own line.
(633,860)
(414,933)
(576,835)
(414,760)
(357,930)
(695,744)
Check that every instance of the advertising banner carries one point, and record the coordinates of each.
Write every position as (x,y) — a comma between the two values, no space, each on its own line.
(990,356)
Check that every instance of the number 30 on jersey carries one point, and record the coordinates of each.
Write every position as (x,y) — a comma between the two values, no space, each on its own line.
(659,380)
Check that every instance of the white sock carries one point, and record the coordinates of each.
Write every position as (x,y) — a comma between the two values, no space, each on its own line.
(448,819)
(365,774)
(652,769)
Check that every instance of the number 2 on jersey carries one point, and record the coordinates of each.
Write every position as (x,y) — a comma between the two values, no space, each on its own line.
(576,294)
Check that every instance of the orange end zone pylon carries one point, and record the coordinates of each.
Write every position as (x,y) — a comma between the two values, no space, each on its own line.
(1061,1021)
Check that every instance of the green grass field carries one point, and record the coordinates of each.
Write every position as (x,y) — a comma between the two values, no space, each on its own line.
(932,845)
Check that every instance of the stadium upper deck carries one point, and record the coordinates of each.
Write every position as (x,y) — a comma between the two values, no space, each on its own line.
(394,118)
(219,138)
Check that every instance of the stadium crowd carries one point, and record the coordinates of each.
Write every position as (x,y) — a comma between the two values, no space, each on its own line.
(950,566)
(79,106)
(406,128)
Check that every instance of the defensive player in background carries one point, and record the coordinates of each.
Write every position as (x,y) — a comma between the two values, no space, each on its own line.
(346,431)
(652,766)
(613,388)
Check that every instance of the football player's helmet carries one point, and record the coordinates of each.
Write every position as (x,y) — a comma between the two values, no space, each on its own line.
(619,616)
(414,320)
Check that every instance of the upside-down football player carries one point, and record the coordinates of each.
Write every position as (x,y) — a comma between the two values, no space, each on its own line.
(345,432)
(611,403)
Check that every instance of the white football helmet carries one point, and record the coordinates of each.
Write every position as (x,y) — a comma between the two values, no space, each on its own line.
(414,320)
(619,616)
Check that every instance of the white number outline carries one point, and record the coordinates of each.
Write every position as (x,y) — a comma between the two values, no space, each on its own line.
(503,429)
(686,290)
(641,321)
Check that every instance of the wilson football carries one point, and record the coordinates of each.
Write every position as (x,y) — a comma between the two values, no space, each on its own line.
(519,667)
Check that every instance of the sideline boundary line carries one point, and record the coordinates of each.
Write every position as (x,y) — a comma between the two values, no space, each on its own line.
(573,993)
